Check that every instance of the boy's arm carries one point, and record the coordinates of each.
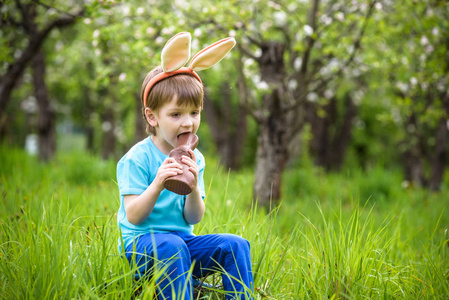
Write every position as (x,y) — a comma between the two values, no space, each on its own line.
(139,207)
(194,206)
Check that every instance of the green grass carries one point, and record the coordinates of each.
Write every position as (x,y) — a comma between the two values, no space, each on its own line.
(357,235)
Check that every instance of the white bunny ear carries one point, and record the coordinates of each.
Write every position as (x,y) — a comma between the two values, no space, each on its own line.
(212,54)
(176,52)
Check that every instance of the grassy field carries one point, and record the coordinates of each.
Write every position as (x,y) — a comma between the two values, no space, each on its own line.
(357,235)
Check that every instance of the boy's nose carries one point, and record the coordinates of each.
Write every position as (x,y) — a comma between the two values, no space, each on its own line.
(187,122)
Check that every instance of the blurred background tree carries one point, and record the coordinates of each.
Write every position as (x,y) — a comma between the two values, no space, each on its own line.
(348,83)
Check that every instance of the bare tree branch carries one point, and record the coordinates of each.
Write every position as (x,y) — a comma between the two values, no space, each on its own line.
(310,40)
(323,82)
(16,68)
(47,6)
(247,52)
(252,107)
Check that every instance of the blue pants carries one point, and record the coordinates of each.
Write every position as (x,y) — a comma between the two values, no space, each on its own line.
(226,253)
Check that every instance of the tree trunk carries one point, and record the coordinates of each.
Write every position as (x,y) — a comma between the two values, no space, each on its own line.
(272,143)
(413,156)
(272,154)
(438,162)
(331,133)
(228,127)
(46,120)
(342,136)
(90,139)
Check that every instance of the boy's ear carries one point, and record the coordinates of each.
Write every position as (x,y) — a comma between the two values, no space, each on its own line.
(151,117)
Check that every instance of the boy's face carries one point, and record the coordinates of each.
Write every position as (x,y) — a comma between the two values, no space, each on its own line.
(171,120)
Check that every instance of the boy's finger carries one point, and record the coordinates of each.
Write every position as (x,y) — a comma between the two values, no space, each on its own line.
(174,164)
(189,161)
(192,155)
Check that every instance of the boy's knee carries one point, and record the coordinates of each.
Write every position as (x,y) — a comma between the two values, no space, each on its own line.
(172,247)
(236,243)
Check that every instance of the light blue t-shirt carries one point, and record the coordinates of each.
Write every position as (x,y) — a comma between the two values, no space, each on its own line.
(135,172)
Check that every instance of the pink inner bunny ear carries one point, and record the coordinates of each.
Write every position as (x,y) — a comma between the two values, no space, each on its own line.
(212,54)
(176,52)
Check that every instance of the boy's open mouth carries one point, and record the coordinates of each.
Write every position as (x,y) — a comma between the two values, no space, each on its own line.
(183,133)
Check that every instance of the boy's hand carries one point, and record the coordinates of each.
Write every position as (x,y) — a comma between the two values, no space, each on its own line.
(193,167)
(168,168)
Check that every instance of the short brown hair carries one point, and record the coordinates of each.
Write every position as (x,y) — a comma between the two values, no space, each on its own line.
(186,88)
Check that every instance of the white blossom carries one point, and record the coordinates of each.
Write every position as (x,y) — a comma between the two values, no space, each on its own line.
(329,93)
(280,18)
(127,22)
(29,105)
(96,33)
(59,45)
(378,6)
(274,5)
(150,30)
(422,58)
(358,97)
(140,10)
(106,126)
(248,62)
(396,115)
(122,77)
(424,40)
(308,30)
(125,10)
(292,84)
(87,21)
(403,87)
(159,40)
(325,19)
(413,81)
(166,31)
(429,49)
(340,16)
(197,32)
(297,63)
(262,85)
(435,31)
(124,47)
(441,86)
(312,97)
(32,144)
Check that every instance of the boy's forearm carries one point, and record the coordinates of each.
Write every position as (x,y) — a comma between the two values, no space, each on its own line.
(139,208)
(194,207)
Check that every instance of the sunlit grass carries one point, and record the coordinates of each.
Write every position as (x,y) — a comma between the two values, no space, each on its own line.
(351,236)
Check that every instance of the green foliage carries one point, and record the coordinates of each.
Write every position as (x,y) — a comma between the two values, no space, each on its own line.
(58,234)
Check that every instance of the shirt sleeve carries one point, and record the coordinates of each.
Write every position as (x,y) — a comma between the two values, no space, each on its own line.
(132,177)
(202,164)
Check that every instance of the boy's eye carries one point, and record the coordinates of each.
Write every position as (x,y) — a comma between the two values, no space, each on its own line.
(194,113)
(175,115)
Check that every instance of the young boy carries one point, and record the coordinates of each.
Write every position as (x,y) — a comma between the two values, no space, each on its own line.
(156,224)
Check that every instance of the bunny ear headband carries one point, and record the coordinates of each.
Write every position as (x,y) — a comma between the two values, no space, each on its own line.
(176,53)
